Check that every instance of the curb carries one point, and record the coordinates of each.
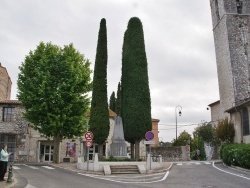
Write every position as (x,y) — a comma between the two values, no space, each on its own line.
(160,170)
(101,173)
(9,185)
(237,168)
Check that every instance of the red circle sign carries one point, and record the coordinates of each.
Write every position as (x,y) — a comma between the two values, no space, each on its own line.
(89,135)
(149,135)
(88,143)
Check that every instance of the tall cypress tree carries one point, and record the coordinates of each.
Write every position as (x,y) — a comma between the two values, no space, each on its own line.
(99,114)
(136,103)
(112,101)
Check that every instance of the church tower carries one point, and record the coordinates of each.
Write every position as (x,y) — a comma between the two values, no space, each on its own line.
(231,28)
(5,84)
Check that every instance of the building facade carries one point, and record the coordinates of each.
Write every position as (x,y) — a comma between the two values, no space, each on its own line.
(231,28)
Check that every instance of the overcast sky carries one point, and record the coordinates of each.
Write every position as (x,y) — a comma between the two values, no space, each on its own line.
(178,38)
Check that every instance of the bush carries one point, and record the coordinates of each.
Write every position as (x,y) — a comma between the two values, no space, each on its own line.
(113,159)
(236,154)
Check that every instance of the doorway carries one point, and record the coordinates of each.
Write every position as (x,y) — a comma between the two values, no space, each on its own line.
(46,152)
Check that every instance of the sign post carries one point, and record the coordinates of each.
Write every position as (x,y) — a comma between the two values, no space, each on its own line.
(149,137)
(89,137)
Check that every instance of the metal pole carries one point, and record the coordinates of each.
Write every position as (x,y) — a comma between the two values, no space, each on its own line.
(175,125)
(180,108)
(150,154)
(88,159)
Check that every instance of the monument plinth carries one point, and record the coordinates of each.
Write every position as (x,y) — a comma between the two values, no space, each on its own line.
(118,146)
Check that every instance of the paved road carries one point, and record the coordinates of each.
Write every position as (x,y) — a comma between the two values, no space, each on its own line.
(205,174)
(182,175)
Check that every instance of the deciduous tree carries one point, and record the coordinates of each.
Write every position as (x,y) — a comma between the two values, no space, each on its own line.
(52,86)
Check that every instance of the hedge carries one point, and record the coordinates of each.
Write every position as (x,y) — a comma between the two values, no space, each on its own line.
(236,154)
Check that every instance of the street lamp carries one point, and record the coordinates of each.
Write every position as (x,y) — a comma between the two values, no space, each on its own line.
(179,108)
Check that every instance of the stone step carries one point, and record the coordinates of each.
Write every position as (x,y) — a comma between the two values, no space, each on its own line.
(124,169)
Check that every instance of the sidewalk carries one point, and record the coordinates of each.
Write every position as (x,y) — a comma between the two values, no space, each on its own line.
(5,184)
(72,167)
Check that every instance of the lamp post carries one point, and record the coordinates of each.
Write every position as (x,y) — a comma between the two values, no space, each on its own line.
(179,108)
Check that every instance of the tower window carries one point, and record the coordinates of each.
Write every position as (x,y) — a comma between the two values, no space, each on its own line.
(239,5)
(217,10)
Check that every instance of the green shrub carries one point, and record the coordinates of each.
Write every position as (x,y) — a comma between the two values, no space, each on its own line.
(113,159)
(236,154)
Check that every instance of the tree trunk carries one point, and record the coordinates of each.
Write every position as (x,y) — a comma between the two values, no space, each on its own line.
(56,154)
(137,150)
(132,147)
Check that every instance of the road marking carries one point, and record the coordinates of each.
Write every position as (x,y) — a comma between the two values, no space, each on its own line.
(33,167)
(135,182)
(179,164)
(48,167)
(15,167)
(30,186)
(207,162)
(230,172)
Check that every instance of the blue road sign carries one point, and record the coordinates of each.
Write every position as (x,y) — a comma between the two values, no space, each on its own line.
(149,135)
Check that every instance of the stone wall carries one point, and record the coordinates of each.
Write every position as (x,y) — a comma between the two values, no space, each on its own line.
(174,153)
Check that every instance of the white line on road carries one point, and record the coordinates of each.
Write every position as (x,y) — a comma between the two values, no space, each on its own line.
(30,186)
(15,167)
(163,178)
(179,164)
(230,172)
(48,167)
(33,167)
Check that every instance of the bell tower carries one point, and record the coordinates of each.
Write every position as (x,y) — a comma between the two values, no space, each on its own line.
(231,29)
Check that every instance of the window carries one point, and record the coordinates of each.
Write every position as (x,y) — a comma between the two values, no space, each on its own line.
(217,10)
(8,114)
(245,120)
(239,6)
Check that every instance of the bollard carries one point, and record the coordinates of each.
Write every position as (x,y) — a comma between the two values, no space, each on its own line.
(10,174)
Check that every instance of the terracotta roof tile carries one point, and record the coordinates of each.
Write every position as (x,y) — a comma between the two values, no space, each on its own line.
(10,102)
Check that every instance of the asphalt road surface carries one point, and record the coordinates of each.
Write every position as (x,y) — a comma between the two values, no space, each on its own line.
(181,175)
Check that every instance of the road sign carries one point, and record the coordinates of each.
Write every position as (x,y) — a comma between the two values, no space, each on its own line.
(89,135)
(148,142)
(149,135)
(88,143)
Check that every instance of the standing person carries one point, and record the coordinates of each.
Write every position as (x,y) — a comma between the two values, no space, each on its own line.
(198,154)
(4,158)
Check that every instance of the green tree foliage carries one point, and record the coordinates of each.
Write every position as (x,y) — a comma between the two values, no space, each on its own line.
(206,131)
(183,139)
(99,114)
(136,103)
(112,101)
(118,100)
(52,86)
(225,131)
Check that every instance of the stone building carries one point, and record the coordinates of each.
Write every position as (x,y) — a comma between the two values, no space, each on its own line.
(5,84)
(231,28)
